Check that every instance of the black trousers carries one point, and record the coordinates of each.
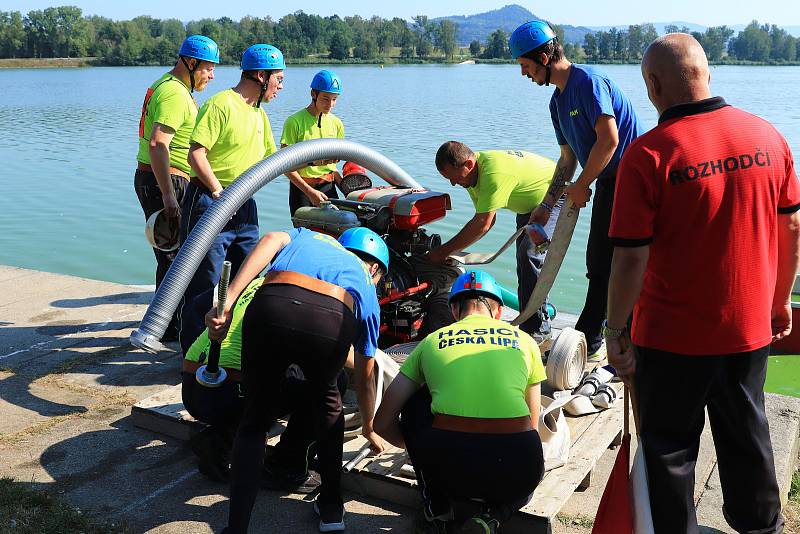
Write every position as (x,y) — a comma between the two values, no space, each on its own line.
(149,194)
(500,469)
(672,416)
(219,407)
(298,199)
(298,445)
(599,252)
(294,345)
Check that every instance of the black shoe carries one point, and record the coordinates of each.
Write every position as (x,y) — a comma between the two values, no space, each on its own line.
(275,477)
(331,516)
(480,524)
(216,469)
(213,457)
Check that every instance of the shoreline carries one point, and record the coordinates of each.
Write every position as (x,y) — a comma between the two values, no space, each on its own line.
(48,63)
(40,63)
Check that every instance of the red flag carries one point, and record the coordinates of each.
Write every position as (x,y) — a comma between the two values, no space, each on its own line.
(614,514)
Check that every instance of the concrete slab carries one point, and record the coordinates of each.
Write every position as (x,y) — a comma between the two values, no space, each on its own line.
(44,312)
(65,398)
(784,420)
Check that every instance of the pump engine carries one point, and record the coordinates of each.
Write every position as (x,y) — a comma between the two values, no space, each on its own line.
(413,294)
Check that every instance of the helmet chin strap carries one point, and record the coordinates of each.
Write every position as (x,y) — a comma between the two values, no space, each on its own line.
(319,117)
(191,72)
(263,87)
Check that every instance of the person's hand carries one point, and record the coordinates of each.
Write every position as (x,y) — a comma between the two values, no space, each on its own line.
(376,442)
(621,356)
(171,207)
(321,162)
(217,326)
(216,193)
(438,255)
(578,194)
(781,321)
(316,196)
(540,215)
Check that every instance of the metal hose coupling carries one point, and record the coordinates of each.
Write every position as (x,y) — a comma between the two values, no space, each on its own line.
(169,293)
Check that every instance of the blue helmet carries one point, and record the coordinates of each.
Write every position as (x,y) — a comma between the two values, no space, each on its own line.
(262,57)
(200,47)
(366,241)
(476,283)
(530,36)
(327,81)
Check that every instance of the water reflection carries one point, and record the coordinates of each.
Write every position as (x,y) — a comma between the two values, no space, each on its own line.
(69,144)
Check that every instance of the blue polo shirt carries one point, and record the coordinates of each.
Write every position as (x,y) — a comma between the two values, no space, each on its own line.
(588,94)
(321,256)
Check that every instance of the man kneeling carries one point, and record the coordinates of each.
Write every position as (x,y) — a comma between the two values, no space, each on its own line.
(469,398)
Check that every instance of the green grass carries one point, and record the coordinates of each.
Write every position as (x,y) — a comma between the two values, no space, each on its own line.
(28,511)
(580,521)
(795,298)
(794,490)
(783,375)
(26,63)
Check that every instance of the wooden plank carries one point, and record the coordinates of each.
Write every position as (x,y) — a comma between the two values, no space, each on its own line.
(559,484)
(164,413)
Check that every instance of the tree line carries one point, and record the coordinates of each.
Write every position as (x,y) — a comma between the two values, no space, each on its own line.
(759,43)
(66,32)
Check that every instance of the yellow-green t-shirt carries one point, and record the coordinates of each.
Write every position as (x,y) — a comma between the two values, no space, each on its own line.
(477,367)
(302,126)
(235,134)
(230,350)
(511,179)
(170,103)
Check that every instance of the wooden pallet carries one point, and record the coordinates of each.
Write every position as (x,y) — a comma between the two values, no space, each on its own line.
(591,436)
(384,478)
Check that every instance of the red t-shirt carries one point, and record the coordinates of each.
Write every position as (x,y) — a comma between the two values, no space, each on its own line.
(704,189)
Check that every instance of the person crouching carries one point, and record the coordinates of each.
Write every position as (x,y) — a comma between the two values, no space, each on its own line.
(468,398)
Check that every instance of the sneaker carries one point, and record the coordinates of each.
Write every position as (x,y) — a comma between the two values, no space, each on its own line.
(480,524)
(331,516)
(275,477)
(599,355)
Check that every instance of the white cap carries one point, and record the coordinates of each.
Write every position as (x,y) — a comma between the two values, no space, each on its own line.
(162,232)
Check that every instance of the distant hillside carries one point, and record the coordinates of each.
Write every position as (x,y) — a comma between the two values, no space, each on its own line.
(507,18)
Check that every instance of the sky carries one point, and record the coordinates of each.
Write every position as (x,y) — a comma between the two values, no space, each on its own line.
(577,12)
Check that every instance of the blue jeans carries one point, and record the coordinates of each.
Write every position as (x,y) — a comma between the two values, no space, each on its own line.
(234,243)
(529,265)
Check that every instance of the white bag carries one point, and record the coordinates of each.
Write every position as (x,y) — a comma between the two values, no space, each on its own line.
(554,432)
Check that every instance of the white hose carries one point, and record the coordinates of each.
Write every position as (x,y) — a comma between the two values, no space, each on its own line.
(567,360)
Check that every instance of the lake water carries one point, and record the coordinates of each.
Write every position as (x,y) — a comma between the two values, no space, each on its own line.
(69,141)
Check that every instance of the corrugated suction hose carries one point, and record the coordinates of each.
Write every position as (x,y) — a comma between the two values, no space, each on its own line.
(169,293)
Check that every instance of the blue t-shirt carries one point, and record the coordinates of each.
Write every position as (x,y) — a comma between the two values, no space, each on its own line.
(588,94)
(322,257)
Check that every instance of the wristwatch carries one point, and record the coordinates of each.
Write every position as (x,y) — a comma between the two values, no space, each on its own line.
(613,333)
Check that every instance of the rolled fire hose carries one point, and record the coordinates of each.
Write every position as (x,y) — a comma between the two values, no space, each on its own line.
(169,293)
(567,360)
